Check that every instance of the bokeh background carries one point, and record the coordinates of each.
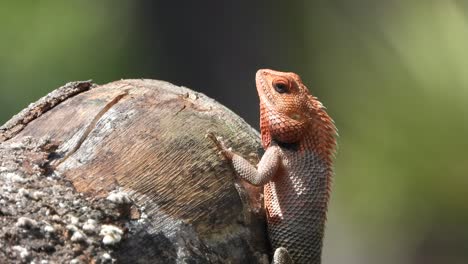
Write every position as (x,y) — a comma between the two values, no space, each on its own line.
(393,74)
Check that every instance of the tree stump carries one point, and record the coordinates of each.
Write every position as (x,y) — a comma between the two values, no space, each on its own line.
(124,172)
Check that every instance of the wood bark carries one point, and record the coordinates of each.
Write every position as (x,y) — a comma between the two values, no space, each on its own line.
(134,153)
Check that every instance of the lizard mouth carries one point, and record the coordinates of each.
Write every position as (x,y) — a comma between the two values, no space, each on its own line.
(263,88)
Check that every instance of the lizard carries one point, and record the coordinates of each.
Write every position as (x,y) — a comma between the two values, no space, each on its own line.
(299,139)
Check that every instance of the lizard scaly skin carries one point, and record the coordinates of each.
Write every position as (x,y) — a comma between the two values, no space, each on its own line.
(299,141)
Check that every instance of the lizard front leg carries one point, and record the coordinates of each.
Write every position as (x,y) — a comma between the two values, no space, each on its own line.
(267,167)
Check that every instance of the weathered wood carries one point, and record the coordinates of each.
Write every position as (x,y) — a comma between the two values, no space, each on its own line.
(19,121)
(146,139)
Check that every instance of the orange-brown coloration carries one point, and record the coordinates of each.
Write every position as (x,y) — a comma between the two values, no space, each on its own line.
(296,198)
(299,141)
(294,116)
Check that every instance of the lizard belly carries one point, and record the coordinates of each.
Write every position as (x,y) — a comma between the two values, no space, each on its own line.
(295,201)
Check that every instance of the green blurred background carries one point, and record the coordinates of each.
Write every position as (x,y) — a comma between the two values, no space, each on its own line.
(393,74)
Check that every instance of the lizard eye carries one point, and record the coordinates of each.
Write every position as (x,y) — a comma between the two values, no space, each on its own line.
(281,86)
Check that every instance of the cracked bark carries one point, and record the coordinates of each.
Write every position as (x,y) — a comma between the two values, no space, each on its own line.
(146,138)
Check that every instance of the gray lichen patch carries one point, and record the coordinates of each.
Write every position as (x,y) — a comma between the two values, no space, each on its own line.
(43,219)
(111,234)
(119,197)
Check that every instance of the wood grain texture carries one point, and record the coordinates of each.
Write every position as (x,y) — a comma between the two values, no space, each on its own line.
(19,121)
(147,138)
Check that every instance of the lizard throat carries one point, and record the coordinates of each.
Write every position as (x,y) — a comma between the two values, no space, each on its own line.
(280,127)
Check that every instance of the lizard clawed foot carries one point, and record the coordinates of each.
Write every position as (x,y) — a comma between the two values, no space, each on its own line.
(227,152)
(281,256)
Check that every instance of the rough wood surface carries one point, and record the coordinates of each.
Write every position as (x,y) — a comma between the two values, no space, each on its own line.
(141,144)
(19,121)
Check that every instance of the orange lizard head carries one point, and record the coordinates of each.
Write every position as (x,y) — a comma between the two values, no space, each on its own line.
(290,114)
